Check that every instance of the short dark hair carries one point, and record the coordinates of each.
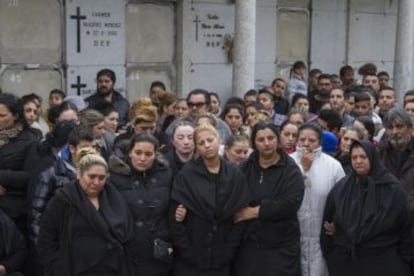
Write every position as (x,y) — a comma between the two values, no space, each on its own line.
(267,92)
(80,133)
(368,69)
(297,97)
(386,88)
(57,92)
(137,138)
(408,93)
(344,69)
(157,84)
(106,72)
(260,126)
(332,119)
(277,79)
(383,73)
(324,76)
(298,65)
(256,105)
(200,91)
(249,93)
(314,72)
(362,97)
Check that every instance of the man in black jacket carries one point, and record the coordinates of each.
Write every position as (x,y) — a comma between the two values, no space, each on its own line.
(105,80)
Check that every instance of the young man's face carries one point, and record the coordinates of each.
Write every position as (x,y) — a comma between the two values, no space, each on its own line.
(371,81)
(337,99)
(386,100)
(362,108)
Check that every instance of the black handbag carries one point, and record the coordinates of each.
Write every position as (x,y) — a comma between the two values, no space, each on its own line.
(163,251)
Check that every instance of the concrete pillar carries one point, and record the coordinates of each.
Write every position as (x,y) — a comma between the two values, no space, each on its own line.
(244,51)
(404,49)
(184,40)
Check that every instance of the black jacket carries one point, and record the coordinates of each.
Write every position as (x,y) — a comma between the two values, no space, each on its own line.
(207,239)
(17,159)
(77,239)
(174,161)
(373,231)
(279,191)
(118,101)
(47,182)
(12,245)
(148,197)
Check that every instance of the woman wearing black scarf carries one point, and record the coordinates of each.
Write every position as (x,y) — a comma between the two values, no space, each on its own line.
(87,227)
(367,229)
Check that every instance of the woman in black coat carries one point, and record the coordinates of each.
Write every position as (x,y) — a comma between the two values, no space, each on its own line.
(12,247)
(211,190)
(367,229)
(17,158)
(144,181)
(86,228)
(271,246)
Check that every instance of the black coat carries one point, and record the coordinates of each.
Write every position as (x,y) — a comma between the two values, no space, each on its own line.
(17,160)
(118,101)
(174,161)
(278,190)
(148,197)
(77,239)
(12,245)
(206,241)
(373,231)
(46,183)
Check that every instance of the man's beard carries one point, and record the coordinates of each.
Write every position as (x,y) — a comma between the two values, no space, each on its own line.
(400,143)
(105,92)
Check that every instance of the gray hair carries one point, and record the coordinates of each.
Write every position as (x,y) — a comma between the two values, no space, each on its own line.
(397,114)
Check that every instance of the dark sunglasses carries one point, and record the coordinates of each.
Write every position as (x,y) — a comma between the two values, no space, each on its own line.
(198,105)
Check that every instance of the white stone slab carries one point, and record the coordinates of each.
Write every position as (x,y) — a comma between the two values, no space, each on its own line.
(84,77)
(30,31)
(150,33)
(95,32)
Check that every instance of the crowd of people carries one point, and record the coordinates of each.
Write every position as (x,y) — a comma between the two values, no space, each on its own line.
(309,176)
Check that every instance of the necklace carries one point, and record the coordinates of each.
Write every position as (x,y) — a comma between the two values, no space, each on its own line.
(267,163)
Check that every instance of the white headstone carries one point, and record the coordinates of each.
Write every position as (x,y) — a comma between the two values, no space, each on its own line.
(95,39)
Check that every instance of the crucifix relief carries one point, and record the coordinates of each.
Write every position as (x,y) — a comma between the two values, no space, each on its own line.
(78,85)
(196,21)
(78,17)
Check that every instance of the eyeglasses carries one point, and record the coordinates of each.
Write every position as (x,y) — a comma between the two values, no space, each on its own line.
(198,105)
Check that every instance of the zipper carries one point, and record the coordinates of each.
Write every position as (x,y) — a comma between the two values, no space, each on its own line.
(261,177)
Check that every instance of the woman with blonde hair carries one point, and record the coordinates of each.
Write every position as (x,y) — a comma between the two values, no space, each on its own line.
(143,119)
(211,190)
(86,228)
